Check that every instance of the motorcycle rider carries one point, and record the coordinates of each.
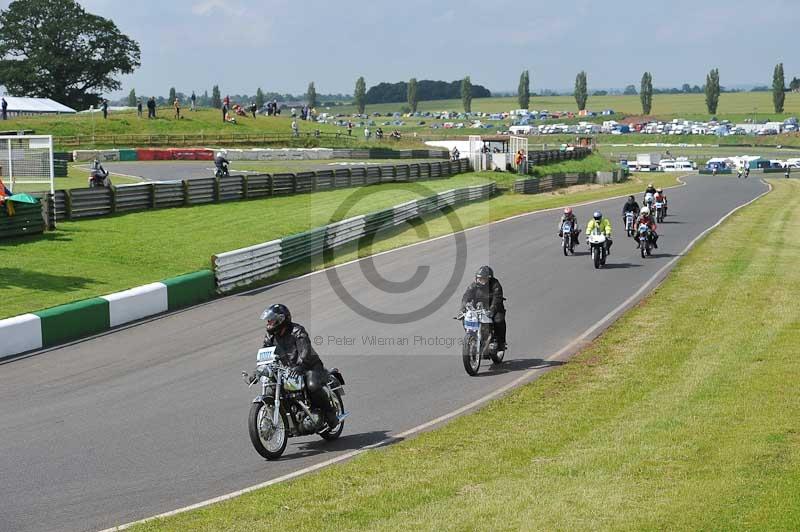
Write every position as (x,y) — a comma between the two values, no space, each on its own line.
(661,197)
(570,217)
(630,206)
(650,189)
(645,218)
(98,175)
(487,290)
(598,222)
(221,162)
(294,349)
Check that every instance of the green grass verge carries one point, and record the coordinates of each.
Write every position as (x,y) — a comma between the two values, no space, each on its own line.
(696,429)
(94,257)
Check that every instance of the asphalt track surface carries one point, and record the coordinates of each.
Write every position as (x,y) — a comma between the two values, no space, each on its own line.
(172,170)
(152,417)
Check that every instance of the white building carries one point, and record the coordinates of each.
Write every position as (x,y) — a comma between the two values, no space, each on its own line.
(22,106)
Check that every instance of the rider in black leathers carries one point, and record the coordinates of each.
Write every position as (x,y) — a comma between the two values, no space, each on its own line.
(221,162)
(630,206)
(294,349)
(487,290)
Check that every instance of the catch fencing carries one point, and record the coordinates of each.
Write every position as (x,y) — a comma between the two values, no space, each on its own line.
(244,266)
(92,202)
(553,156)
(556,181)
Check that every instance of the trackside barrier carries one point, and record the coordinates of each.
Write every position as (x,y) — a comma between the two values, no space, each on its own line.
(93,202)
(73,321)
(243,266)
(555,181)
(253,154)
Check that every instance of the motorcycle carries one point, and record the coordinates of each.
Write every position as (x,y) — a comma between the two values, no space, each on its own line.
(597,245)
(98,179)
(659,206)
(478,340)
(283,410)
(645,244)
(629,219)
(567,238)
(222,171)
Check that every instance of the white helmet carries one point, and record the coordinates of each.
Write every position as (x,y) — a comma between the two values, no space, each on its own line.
(645,211)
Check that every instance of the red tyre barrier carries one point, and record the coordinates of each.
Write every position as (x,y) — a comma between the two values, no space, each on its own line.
(162,155)
(145,155)
(183,154)
(204,155)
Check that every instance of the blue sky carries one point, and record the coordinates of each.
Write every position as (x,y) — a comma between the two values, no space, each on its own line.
(281,45)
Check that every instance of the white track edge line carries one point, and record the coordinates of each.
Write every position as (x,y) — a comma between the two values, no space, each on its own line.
(419,428)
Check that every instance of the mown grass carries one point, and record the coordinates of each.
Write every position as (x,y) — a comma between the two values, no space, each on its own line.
(697,428)
(94,257)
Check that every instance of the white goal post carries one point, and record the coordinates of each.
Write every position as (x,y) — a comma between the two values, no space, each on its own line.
(26,159)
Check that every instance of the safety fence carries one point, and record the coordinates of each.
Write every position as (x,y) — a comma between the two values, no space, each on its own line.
(195,139)
(555,181)
(251,154)
(246,265)
(553,156)
(20,219)
(93,202)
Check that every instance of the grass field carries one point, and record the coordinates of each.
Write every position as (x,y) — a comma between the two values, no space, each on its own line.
(695,430)
(94,257)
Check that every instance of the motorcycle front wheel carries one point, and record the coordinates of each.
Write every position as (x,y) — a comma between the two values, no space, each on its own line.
(565,246)
(471,355)
(338,404)
(268,441)
(596,257)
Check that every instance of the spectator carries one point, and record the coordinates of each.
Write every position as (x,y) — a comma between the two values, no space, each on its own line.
(294,113)
(349,129)
(177,105)
(193,99)
(295,131)
(105,108)
(253,109)
(224,112)
(5,108)
(379,134)
(139,108)
(227,101)
(366,132)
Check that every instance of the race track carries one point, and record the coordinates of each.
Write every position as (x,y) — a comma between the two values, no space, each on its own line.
(152,417)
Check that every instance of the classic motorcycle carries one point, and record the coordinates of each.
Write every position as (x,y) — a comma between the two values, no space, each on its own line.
(283,410)
(597,245)
(659,206)
(479,339)
(645,245)
(567,238)
(629,219)
(222,171)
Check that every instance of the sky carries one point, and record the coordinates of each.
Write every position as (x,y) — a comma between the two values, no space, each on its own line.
(281,45)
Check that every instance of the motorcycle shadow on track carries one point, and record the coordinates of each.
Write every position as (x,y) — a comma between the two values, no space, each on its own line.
(620,265)
(519,364)
(345,442)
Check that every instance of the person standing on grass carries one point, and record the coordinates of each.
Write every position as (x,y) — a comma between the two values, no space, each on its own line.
(177,105)
(105,109)
(253,109)
(193,100)
(349,129)
(139,108)
(295,130)
(224,112)
(5,108)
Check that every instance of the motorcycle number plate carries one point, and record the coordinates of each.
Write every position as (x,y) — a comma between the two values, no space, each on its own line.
(471,325)
(567,228)
(265,355)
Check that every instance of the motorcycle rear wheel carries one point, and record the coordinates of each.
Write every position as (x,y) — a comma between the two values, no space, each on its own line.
(331,435)
(471,355)
(260,414)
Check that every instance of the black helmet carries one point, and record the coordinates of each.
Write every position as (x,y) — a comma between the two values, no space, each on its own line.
(484,272)
(631,199)
(275,316)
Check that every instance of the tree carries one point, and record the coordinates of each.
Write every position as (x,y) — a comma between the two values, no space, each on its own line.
(311,95)
(712,91)
(581,94)
(132,98)
(172,96)
(794,85)
(686,88)
(466,94)
(55,49)
(524,90)
(412,94)
(259,98)
(216,97)
(646,93)
(360,95)
(630,90)
(778,88)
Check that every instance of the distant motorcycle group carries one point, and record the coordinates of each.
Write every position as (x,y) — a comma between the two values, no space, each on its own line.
(639,223)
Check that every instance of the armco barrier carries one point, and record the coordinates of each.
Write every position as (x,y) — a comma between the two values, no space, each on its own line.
(246,265)
(555,181)
(92,202)
(73,321)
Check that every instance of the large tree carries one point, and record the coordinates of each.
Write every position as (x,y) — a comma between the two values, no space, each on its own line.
(524,90)
(778,88)
(216,97)
(412,94)
(581,93)
(466,94)
(646,93)
(311,95)
(712,91)
(360,95)
(55,49)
